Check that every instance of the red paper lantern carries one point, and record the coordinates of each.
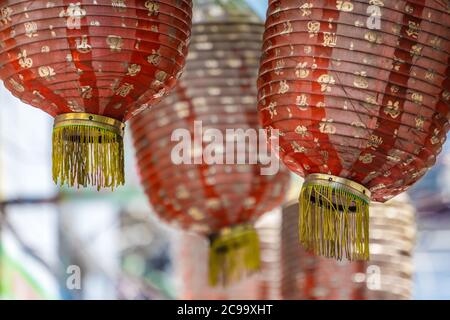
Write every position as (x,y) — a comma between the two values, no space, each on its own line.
(216,200)
(92,65)
(360,93)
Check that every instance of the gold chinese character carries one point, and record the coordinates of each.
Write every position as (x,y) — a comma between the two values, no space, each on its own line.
(393,109)
(374,141)
(326,81)
(359,129)
(313,28)
(345,6)
(280,64)
(118,4)
(435,139)
(373,37)
(302,102)
(31,29)
(430,75)
(416,50)
(302,131)
(284,87)
(326,126)
(46,72)
(115,43)
(86,92)
(436,43)
(306,9)
(5,15)
(74,14)
(154,58)
(17,86)
(366,158)
(82,45)
(413,29)
(416,97)
(160,78)
(420,123)
(378,3)
(272,109)
(124,89)
(297,148)
(133,70)
(24,61)
(153,8)
(301,70)
(329,39)
(360,80)
(287,28)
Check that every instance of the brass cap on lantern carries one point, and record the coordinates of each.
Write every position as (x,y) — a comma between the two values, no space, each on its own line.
(88,151)
(91,120)
(338,182)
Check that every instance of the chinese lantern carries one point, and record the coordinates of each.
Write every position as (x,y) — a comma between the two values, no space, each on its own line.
(218,200)
(389,274)
(362,105)
(92,66)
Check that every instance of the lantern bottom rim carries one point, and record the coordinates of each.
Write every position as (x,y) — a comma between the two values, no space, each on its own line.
(90,120)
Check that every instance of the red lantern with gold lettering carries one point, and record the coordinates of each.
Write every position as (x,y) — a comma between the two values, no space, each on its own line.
(360,93)
(92,65)
(221,197)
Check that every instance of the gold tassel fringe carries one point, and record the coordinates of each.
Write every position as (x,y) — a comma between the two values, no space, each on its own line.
(87,155)
(233,253)
(334,217)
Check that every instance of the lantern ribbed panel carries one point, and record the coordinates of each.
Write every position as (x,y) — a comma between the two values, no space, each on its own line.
(92,65)
(368,105)
(360,93)
(216,88)
(388,275)
(107,58)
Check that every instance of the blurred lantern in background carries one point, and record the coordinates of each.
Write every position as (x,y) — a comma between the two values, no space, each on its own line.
(92,66)
(191,263)
(432,195)
(291,273)
(362,106)
(218,198)
(388,275)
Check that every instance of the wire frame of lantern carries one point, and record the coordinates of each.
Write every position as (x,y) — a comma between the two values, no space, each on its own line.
(218,198)
(388,275)
(92,66)
(362,112)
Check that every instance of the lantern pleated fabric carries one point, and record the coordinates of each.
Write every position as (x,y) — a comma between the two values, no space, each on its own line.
(388,275)
(359,91)
(92,65)
(217,91)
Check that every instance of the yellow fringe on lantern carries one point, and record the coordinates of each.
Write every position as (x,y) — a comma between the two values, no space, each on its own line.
(86,153)
(233,254)
(334,217)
